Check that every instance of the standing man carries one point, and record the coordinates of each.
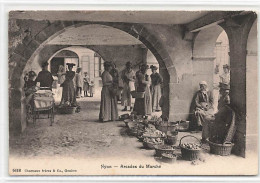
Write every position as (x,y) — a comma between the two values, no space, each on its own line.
(45,77)
(128,77)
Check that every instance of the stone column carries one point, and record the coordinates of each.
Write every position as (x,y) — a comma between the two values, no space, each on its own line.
(237,29)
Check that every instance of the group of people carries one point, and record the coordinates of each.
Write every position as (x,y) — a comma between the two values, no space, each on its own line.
(72,83)
(138,81)
(205,111)
(141,82)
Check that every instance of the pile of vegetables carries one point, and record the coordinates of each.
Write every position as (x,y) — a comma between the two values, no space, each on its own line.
(151,131)
(154,141)
(169,155)
(191,146)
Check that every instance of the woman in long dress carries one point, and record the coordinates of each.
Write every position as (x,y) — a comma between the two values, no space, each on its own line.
(143,106)
(108,105)
(156,88)
(61,78)
(68,93)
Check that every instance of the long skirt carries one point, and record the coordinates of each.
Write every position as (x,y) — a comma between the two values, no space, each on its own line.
(215,100)
(202,118)
(85,86)
(156,95)
(127,99)
(143,106)
(108,106)
(68,93)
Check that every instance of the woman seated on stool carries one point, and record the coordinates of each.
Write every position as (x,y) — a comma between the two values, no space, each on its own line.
(203,109)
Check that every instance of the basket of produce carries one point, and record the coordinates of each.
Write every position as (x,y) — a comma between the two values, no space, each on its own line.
(167,126)
(183,126)
(171,138)
(220,149)
(160,149)
(151,131)
(155,120)
(190,151)
(151,142)
(67,110)
(169,158)
(124,117)
(136,94)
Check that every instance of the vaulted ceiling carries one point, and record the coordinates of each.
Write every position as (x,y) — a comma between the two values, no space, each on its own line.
(94,35)
(104,35)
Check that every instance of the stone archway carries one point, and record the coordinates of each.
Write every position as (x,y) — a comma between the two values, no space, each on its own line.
(31,47)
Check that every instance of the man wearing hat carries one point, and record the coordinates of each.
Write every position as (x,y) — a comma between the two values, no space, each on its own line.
(128,78)
(45,77)
(157,80)
(204,107)
(225,77)
(224,95)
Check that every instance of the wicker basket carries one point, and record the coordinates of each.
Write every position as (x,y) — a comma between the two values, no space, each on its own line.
(171,139)
(151,145)
(190,154)
(159,149)
(169,127)
(183,126)
(167,159)
(220,149)
(136,94)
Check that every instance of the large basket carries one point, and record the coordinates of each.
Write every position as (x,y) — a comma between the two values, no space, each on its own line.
(171,126)
(220,149)
(136,94)
(190,154)
(167,159)
(159,149)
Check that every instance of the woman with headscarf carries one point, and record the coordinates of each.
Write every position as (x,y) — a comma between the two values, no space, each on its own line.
(143,106)
(156,88)
(128,78)
(203,109)
(68,93)
(108,104)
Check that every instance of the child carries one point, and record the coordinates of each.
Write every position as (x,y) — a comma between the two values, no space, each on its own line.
(91,88)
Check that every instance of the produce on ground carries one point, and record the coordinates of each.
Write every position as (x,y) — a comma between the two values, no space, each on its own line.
(191,146)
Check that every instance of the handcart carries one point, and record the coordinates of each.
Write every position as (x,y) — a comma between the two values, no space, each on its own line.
(42,101)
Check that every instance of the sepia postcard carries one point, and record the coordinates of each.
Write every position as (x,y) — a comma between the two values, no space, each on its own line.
(133,92)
